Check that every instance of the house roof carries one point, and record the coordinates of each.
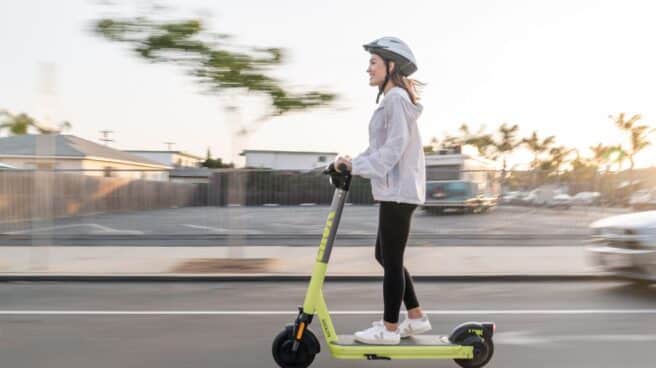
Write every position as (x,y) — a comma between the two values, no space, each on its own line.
(181,153)
(64,145)
(244,152)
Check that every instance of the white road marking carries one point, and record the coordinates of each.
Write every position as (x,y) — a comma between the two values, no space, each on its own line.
(344,312)
(215,229)
(102,228)
(223,230)
(535,338)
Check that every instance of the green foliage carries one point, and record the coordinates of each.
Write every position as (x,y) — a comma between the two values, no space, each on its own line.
(215,163)
(208,57)
(538,146)
(23,123)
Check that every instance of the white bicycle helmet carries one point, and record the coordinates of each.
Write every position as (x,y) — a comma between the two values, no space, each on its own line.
(392,48)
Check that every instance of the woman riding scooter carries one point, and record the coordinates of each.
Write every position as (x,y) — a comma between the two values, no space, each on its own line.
(394,163)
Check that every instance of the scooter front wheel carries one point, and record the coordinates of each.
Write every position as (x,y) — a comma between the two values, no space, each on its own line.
(483,350)
(282,349)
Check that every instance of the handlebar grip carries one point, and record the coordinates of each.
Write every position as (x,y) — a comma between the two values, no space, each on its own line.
(329,169)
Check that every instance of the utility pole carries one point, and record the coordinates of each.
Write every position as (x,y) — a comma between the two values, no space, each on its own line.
(105,136)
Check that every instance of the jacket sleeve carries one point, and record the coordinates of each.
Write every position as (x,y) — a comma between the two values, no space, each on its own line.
(376,163)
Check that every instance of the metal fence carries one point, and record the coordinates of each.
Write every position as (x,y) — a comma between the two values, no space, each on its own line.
(36,199)
(48,194)
(265,187)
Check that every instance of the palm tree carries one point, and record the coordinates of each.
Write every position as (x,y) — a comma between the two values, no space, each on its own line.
(558,156)
(449,140)
(618,155)
(538,146)
(624,124)
(507,142)
(481,140)
(639,141)
(601,155)
(22,123)
(637,135)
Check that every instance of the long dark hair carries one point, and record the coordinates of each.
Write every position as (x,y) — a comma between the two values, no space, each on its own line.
(412,86)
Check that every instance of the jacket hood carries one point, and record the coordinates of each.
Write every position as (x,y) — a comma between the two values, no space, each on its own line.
(411,110)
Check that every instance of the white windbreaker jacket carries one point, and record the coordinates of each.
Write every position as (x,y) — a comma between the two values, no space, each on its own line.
(394,160)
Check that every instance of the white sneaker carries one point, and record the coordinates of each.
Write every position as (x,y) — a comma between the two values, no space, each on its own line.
(411,327)
(378,335)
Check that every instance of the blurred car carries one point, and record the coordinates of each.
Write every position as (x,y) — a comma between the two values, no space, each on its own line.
(456,195)
(511,197)
(643,199)
(587,199)
(560,201)
(625,245)
(548,195)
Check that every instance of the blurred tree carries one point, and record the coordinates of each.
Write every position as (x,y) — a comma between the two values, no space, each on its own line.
(210,58)
(638,135)
(618,155)
(557,158)
(538,146)
(639,141)
(482,141)
(217,163)
(505,144)
(601,156)
(23,123)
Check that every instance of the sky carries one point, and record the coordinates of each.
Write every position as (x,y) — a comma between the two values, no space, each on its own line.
(558,67)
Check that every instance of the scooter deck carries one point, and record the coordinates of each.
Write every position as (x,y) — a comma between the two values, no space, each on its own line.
(423,340)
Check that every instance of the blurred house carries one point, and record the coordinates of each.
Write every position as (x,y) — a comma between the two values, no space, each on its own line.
(68,153)
(287,160)
(186,167)
(170,158)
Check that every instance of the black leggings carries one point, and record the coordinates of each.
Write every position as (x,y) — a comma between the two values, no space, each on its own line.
(393,229)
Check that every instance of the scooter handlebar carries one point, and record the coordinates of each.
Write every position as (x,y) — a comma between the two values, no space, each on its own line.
(340,169)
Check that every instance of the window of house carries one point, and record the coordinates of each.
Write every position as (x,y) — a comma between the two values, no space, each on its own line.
(322,158)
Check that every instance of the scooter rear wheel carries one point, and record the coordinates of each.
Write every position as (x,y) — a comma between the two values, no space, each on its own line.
(483,350)
(282,349)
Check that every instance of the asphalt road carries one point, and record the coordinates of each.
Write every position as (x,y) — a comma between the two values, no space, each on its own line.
(212,226)
(75,325)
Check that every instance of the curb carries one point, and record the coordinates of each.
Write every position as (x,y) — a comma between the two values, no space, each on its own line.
(294,278)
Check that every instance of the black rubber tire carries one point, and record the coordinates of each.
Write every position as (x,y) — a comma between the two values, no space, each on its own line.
(282,346)
(483,351)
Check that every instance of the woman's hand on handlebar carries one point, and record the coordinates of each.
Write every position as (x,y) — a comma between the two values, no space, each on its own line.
(346,160)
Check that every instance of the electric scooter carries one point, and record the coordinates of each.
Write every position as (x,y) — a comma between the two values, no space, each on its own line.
(469,344)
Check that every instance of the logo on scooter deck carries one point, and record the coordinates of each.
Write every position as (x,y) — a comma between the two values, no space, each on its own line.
(478,332)
(326,235)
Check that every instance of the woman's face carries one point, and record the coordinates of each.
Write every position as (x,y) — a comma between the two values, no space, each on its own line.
(376,70)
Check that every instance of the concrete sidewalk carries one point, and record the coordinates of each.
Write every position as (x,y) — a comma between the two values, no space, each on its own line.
(282,261)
